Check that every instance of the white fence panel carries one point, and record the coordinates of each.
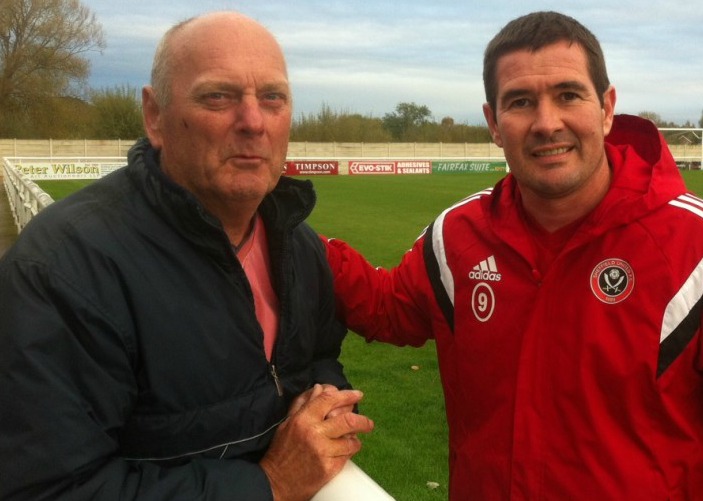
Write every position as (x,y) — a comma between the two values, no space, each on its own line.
(25,197)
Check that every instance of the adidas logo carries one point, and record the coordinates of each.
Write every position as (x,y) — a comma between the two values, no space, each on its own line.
(486,270)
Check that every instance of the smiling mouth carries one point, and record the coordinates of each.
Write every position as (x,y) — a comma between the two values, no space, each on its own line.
(553,151)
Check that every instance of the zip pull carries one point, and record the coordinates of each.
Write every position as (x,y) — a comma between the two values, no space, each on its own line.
(279,388)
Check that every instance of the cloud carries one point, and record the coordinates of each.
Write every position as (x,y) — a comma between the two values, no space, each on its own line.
(366,57)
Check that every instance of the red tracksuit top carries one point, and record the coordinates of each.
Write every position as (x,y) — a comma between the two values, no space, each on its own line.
(585,383)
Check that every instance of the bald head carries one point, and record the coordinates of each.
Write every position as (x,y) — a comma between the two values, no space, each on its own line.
(200,36)
(219,114)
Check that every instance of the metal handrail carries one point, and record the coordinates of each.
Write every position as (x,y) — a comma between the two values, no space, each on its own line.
(25,196)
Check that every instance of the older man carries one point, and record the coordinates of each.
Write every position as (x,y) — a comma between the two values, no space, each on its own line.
(169,332)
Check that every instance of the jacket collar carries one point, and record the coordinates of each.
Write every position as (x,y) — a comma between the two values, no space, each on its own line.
(285,207)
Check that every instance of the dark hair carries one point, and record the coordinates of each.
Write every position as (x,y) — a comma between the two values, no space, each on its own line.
(535,31)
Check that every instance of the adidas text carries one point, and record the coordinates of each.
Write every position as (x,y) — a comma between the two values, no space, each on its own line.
(485,275)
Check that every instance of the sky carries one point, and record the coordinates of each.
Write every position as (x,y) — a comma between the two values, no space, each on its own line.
(367,56)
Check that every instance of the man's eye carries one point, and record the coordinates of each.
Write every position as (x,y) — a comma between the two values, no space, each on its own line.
(520,103)
(569,96)
(215,96)
(274,98)
(214,99)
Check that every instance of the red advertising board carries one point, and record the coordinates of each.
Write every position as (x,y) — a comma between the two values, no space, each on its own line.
(312,167)
(414,167)
(357,167)
(371,167)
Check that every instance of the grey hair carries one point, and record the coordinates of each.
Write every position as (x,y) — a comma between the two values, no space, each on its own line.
(161,67)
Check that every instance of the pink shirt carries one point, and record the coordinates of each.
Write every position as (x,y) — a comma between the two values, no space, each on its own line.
(254,258)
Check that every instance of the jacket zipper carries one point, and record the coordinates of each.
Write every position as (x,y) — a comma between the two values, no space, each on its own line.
(274,373)
(272,367)
(282,303)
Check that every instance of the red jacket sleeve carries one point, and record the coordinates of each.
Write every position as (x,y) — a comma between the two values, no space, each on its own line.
(392,306)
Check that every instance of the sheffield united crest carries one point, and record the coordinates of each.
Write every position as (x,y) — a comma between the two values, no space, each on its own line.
(612,280)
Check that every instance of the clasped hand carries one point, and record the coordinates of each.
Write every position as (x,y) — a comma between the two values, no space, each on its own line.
(315,442)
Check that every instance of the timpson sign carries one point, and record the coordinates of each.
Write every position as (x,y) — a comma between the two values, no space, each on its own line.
(312,168)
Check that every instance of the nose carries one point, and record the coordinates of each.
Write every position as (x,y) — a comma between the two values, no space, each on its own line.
(249,117)
(547,119)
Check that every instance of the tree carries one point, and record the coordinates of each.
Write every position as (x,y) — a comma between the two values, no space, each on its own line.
(652,116)
(447,122)
(331,126)
(407,116)
(42,43)
(700,122)
(118,113)
(59,118)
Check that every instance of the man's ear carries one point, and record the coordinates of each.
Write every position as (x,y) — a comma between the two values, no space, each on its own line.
(609,98)
(490,117)
(151,114)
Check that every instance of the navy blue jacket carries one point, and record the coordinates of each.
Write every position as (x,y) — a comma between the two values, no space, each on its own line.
(132,364)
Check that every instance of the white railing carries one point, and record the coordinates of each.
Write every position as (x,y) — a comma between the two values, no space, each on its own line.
(25,196)
(686,146)
(27,199)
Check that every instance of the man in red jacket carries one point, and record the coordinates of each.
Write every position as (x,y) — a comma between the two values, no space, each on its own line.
(565,301)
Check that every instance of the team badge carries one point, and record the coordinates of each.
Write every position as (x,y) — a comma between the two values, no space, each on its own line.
(612,280)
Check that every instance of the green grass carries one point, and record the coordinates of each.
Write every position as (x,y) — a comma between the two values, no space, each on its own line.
(694,181)
(60,189)
(382,216)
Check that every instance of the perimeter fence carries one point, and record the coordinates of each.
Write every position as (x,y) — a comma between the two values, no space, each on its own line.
(25,161)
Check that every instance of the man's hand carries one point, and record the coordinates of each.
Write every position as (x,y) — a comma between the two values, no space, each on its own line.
(313,392)
(314,443)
